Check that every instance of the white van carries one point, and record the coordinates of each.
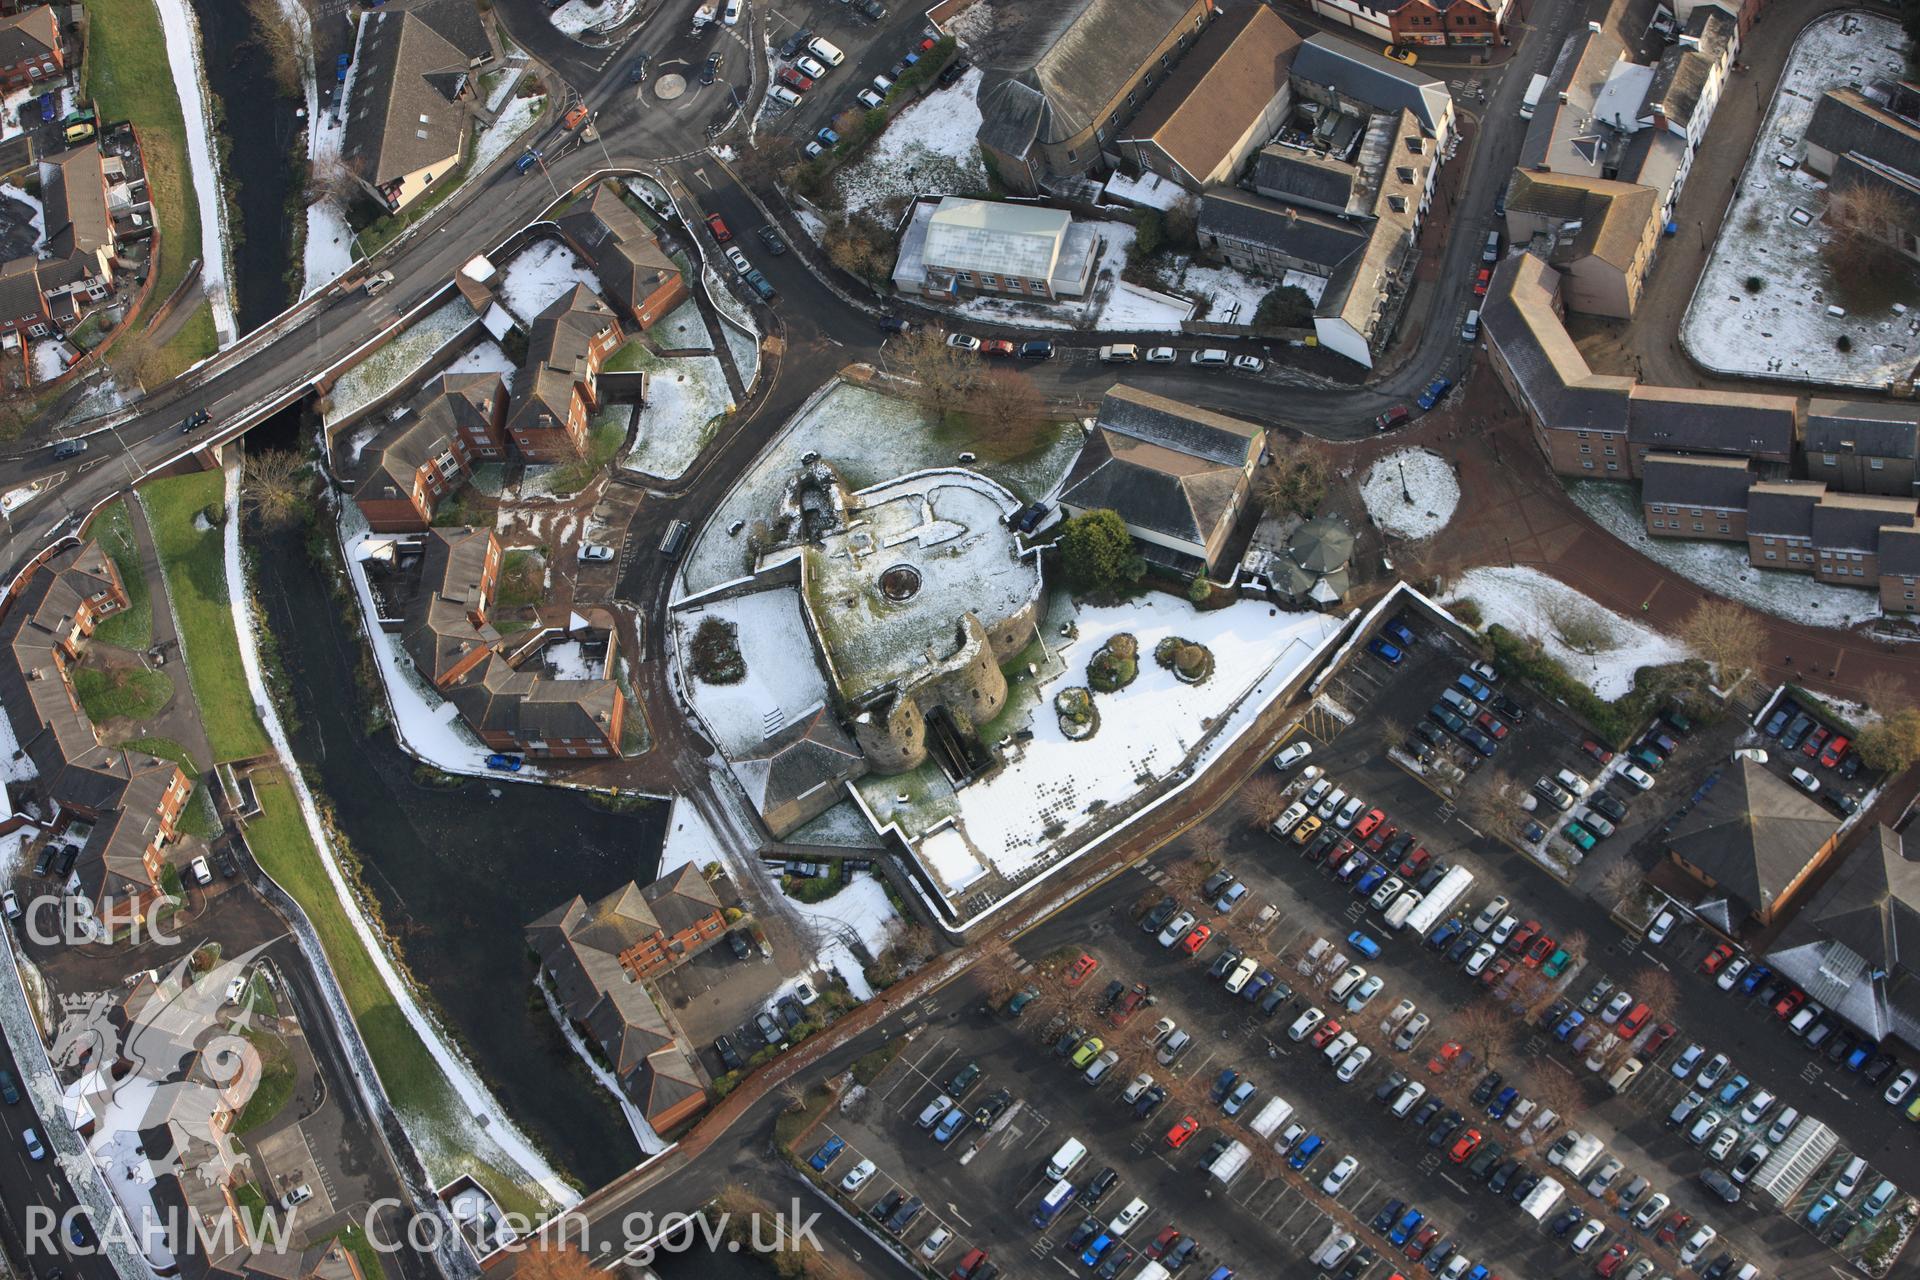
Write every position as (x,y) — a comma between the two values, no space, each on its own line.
(783,95)
(1211,357)
(1129,1217)
(1275,1113)
(826,52)
(1066,1159)
(1120,353)
(1402,908)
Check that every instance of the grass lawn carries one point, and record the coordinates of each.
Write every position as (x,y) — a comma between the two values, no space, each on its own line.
(132,627)
(252,1204)
(633,358)
(276,1081)
(128,74)
(413,1080)
(603,443)
(522,580)
(165,749)
(355,1239)
(194,340)
(196,573)
(120,693)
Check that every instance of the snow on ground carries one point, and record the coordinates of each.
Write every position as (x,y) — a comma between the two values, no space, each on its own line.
(972,24)
(1529,603)
(484,357)
(327,251)
(16,766)
(689,839)
(1131,307)
(745,350)
(871,437)
(1051,786)
(841,827)
(783,683)
(1149,190)
(569,661)
(539,275)
(929,147)
(329,245)
(649,1141)
(684,329)
(1773,230)
(102,396)
(1424,475)
(1236,295)
(577,17)
(401,358)
(12,192)
(729,307)
(501,91)
(686,396)
(518,116)
(1722,567)
(182,34)
(49,357)
(861,910)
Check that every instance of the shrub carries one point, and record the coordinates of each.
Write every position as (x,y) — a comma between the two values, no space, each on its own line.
(1199,590)
(1116,665)
(1193,663)
(1468,611)
(1755,283)
(716,652)
(1079,718)
(1614,721)
(1097,552)
(1285,307)
(1843,342)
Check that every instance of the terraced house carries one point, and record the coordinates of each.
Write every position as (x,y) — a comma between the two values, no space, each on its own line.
(404,472)
(558,386)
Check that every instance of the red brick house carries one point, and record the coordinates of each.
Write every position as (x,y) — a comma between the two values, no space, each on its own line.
(1418,22)
(557,389)
(29,48)
(634,270)
(404,473)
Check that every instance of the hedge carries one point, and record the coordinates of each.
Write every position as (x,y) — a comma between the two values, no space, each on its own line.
(1614,721)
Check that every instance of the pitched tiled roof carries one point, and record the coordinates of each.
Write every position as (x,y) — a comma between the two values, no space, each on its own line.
(458,22)
(625,255)
(1783,507)
(404,114)
(1753,833)
(1870,429)
(1856,948)
(1553,378)
(1900,552)
(557,349)
(681,899)
(387,466)
(1152,486)
(804,756)
(1852,521)
(1364,76)
(1720,483)
(1184,427)
(30,33)
(1685,419)
(1319,241)
(1613,216)
(1848,120)
(73,189)
(1302,176)
(1221,86)
(442,624)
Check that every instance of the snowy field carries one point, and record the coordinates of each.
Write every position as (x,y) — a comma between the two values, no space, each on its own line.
(328,245)
(689,839)
(871,437)
(1236,295)
(1529,603)
(578,17)
(1132,307)
(515,119)
(860,910)
(1147,730)
(181,32)
(1424,475)
(685,397)
(539,275)
(928,148)
(49,359)
(783,683)
(402,358)
(1722,568)
(683,329)
(1773,230)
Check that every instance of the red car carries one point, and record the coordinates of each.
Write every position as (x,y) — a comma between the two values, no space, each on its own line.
(1486,720)
(1499,969)
(1815,741)
(1082,969)
(1597,751)
(1368,821)
(1192,943)
(1182,1130)
(1325,1032)
(975,1259)
(1715,958)
(1537,953)
(1636,1018)
(794,80)
(1391,418)
(1610,1260)
(1418,1246)
(1167,1238)
(1784,1007)
(926,43)
(1415,863)
(1465,1146)
(1657,1040)
(1378,840)
(718,227)
(997,347)
(1670,1229)
(1481,281)
(1835,750)
(1522,936)
(1448,1055)
(1130,1004)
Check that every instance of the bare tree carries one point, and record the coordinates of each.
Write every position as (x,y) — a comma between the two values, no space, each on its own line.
(1658,988)
(1891,743)
(1622,878)
(1863,226)
(139,362)
(1261,798)
(1185,877)
(1729,638)
(281,42)
(1883,691)
(1487,1029)
(854,250)
(543,1260)
(944,377)
(1392,732)
(271,487)
(1206,841)
(1575,943)
(1493,802)
(332,177)
(1296,480)
(1557,1091)
(998,973)
(1007,413)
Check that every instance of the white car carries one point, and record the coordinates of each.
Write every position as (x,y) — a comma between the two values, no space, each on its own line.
(1291,818)
(1340,1175)
(857,1176)
(930,1247)
(1503,930)
(1351,813)
(1722,1145)
(236,988)
(731,16)
(1241,975)
(1176,928)
(1353,1064)
(1401,1012)
(1637,776)
(1316,793)
(1758,1105)
(1128,1218)
(1162,355)
(1684,1064)
(1731,974)
(1806,781)
(594,553)
(1902,1086)
(1304,1024)
(1482,957)
(1589,1231)
(1621,1002)
(964,341)
(1135,1087)
(1249,364)
(1490,914)
(1520,1111)
(1710,1075)
(1294,752)
(1697,1243)
(931,1113)
(1367,990)
(808,67)
(869,99)
(1331,804)
(1408,1098)
(201,871)
(1783,1125)
(1346,982)
(10,901)
(1662,926)
(1653,1210)
(738,259)
(1409,1034)
(1340,1046)
(1389,890)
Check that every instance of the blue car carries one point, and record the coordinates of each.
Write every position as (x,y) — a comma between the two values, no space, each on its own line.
(1090,1256)
(829,1152)
(1220,1273)
(1569,1024)
(1435,389)
(1733,1089)
(1445,933)
(1401,633)
(1405,1228)
(1472,687)
(1858,1058)
(827,137)
(504,764)
(1778,721)
(1257,987)
(1750,980)
(1822,1207)
(526,162)
(340,65)
(1304,1153)
(1370,881)
(1479,1272)
(1364,944)
(951,1123)
(1387,653)
(1504,1103)
(1223,1083)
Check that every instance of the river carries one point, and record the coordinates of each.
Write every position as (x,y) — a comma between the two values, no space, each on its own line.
(460,872)
(263,136)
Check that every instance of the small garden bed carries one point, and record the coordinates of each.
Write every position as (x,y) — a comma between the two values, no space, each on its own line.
(716,652)
(1190,663)
(1116,665)
(1079,718)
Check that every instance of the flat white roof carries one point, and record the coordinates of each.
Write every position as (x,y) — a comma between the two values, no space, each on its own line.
(996,238)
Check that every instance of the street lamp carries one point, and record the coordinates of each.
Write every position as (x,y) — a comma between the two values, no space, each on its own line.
(1406,494)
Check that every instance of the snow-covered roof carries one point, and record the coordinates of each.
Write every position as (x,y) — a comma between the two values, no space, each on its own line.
(995,238)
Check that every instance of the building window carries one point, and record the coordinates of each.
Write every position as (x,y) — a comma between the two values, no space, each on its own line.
(1609,451)
(1858,571)
(1876,464)
(1587,463)
(1612,466)
(1772,554)
(1696,526)
(1724,529)
(1828,460)
(1586,448)
(1695,511)
(1581,434)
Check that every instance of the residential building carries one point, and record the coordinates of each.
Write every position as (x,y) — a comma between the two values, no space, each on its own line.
(122,807)
(557,388)
(1858,446)
(1899,567)
(1268,238)
(23,301)
(1178,475)
(78,192)
(800,771)
(1780,523)
(1600,234)
(1695,497)
(964,247)
(1335,73)
(1226,97)
(1069,78)
(1750,843)
(1868,139)
(636,273)
(1853,949)
(588,954)
(404,471)
(410,102)
(1421,22)
(1579,417)
(1800,525)
(662,926)
(30,49)
(507,698)
(1736,424)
